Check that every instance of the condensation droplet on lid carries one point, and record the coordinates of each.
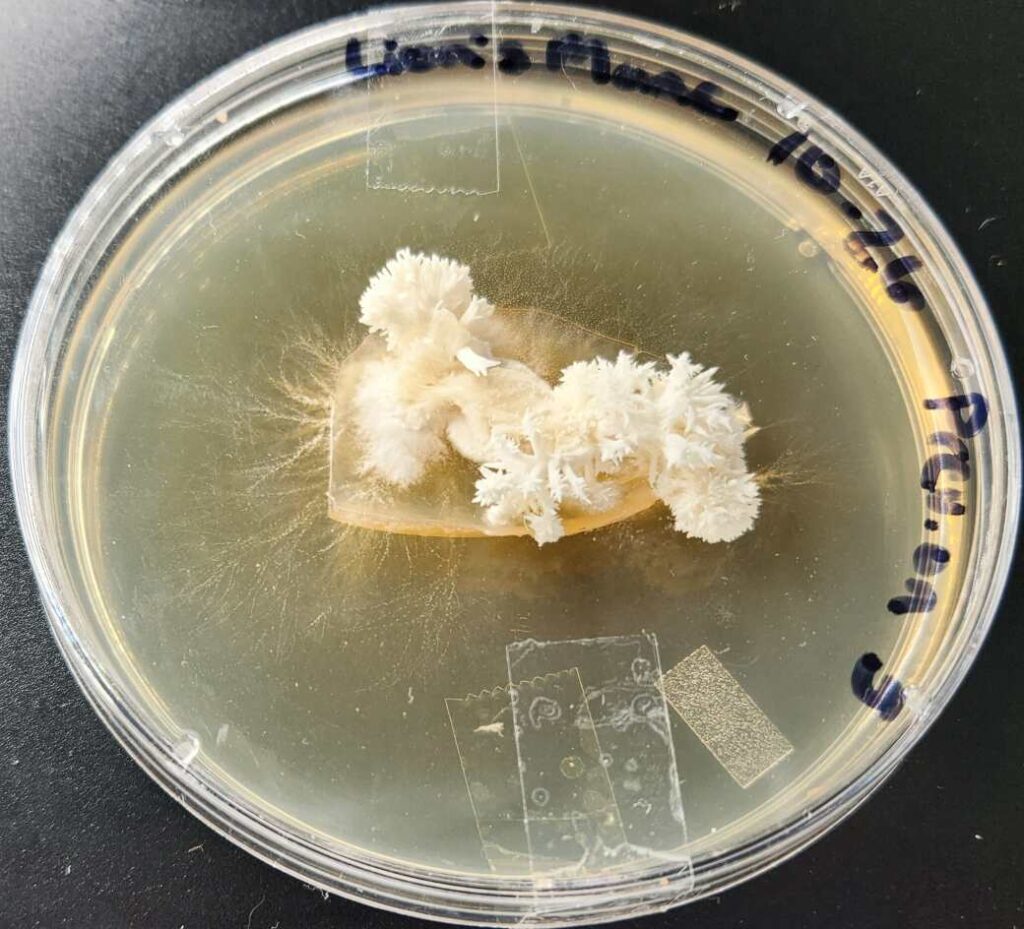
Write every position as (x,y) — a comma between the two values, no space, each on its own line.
(788,107)
(961,368)
(807,248)
(187,748)
(913,700)
(172,137)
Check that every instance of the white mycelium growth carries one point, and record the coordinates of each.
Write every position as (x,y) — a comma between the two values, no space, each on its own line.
(542,449)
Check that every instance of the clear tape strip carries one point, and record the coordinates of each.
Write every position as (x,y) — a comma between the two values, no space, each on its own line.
(620,677)
(485,740)
(724,717)
(572,820)
(571,768)
(451,151)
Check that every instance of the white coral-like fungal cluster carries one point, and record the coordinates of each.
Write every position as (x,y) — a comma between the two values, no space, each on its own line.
(543,450)
(432,324)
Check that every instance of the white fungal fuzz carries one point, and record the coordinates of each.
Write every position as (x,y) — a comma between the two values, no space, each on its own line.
(544,451)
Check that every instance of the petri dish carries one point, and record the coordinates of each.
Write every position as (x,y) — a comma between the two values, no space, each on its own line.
(479,729)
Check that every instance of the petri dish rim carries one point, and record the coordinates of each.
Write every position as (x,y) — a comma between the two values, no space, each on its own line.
(276,76)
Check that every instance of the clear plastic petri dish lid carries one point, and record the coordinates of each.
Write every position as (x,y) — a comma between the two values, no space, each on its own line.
(371,693)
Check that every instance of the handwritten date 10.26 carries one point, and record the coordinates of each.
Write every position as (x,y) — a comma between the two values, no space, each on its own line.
(816,169)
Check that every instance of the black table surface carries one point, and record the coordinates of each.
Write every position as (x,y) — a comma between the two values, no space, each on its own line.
(87,840)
